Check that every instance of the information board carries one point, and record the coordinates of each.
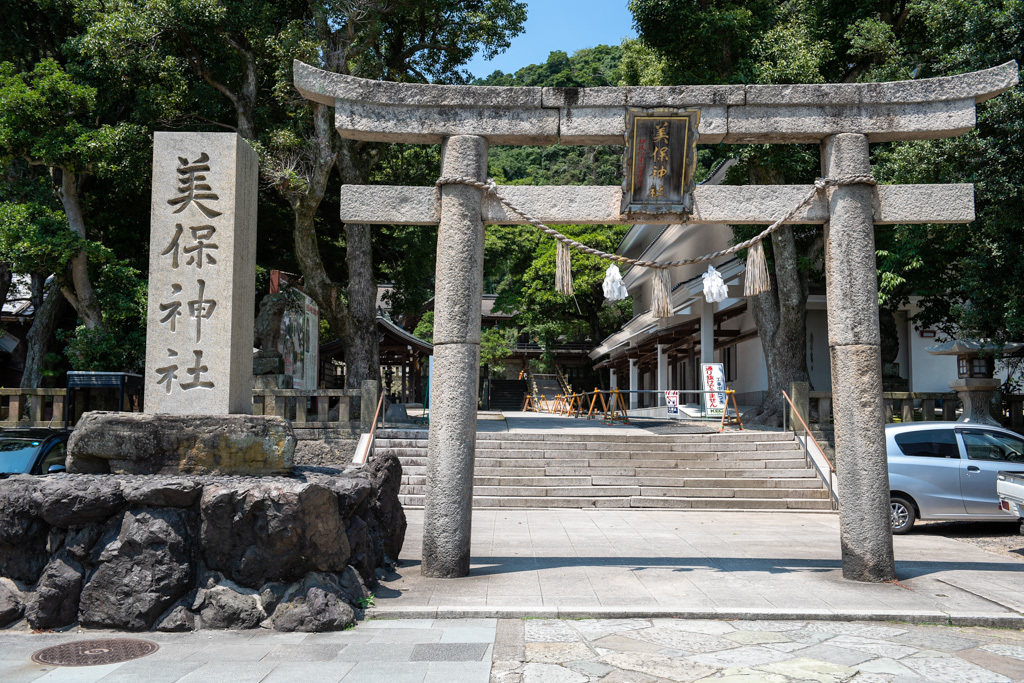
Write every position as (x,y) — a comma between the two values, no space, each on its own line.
(713,380)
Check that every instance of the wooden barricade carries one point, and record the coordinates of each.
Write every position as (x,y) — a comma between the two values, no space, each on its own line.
(616,409)
(593,404)
(730,420)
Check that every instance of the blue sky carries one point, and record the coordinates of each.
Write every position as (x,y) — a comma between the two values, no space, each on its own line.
(567,25)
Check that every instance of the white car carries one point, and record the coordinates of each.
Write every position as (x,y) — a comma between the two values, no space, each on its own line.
(947,471)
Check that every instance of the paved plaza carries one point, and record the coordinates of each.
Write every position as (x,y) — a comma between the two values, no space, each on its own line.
(643,595)
(604,563)
(551,651)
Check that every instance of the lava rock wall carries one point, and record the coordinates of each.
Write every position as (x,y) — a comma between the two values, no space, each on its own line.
(170,552)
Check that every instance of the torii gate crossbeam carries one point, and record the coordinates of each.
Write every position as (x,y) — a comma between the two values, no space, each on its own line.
(843,118)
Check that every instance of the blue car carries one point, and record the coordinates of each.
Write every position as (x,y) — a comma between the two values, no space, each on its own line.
(32,451)
(947,471)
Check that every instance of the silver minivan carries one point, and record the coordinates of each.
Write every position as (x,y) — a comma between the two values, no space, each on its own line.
(947,470)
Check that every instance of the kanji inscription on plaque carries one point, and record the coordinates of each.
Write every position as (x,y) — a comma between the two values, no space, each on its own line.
(661,156)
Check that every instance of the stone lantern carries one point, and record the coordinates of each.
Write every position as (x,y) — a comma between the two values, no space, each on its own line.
(975,365)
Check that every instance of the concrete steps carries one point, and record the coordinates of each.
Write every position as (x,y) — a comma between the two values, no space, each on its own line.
(730,471)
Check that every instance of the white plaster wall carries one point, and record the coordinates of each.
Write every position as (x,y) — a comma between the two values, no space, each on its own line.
(751,371)
(819,364)
(928,372)
(903,334)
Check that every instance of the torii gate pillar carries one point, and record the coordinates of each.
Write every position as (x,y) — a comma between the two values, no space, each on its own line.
(855,344)
(448,507)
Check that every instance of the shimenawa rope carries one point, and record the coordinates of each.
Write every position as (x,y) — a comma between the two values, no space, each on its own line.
(757,279)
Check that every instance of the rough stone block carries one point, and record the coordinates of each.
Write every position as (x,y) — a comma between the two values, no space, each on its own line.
(137,443)
(66,501)
(54,603)
(201,268)
(23,534)
(11,607)
(144,566)
(260,531)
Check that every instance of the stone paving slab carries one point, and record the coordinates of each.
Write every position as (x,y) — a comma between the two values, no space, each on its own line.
(415,650)
(621,563)
(648,650)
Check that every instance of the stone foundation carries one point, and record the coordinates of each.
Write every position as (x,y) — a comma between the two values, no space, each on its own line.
(180,552)
(140,443)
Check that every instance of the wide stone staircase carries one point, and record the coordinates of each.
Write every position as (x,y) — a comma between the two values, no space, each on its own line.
(731,471)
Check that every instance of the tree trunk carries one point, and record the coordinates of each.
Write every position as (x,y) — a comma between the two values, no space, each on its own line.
(79,293)
(354,321)
(44,324)
(780,315)
(361,347)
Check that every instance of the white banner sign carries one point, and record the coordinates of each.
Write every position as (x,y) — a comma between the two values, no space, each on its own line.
(713,379)
(672,401)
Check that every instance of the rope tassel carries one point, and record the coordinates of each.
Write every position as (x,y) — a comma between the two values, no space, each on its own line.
(563,270)
(662,293)
(757,280)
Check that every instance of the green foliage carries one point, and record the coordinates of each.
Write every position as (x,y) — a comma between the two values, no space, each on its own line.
(48,117)
(526,286)
(34,238)
(518,260)
(589,67)
(120,345)
(496,346)
(709,42)
(425,327)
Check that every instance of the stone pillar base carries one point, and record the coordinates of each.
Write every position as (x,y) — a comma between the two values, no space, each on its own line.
(976,395)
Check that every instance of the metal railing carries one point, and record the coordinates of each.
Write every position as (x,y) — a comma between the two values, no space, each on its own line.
(829,479)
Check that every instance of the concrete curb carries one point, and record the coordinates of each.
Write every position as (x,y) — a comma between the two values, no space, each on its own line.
(997,620)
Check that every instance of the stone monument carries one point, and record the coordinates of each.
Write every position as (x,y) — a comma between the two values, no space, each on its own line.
(199,330)
(202,266)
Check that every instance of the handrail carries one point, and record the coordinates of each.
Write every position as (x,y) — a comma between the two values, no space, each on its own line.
(376,414)
(373,429)
(807,430)
(813,461)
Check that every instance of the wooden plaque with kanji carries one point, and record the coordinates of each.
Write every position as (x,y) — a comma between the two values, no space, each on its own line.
(661,155)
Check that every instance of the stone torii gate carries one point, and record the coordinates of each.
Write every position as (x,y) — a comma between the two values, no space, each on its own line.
(842,118)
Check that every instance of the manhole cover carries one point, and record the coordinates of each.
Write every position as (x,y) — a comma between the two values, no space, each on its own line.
(94,652)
